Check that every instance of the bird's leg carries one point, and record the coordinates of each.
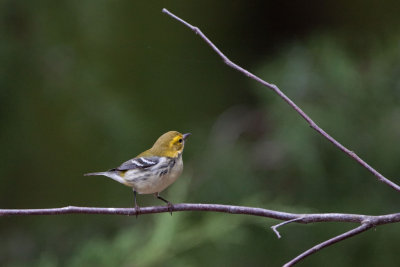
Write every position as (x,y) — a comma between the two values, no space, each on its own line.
(169,204)
(137,208)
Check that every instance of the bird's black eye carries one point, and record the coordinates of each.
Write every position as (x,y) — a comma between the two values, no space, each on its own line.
(180,140)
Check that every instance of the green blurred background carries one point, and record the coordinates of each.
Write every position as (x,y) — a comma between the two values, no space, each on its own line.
(86,85)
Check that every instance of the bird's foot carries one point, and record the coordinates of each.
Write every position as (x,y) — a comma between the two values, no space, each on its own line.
(137,211)
(170,207)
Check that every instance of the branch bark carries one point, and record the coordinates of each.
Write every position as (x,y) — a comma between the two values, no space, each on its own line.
(273,214)
(287,100)
(366,221)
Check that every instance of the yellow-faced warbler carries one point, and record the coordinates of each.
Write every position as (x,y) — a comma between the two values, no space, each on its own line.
(153,170)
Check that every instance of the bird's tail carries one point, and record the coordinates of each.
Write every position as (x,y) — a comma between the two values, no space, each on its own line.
(95,173)
(111,174)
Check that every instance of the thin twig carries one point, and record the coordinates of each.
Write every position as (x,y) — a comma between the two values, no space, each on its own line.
(275,227)
(289,101)
(353,232)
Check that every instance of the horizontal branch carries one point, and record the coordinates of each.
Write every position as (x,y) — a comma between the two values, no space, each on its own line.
(287,100)
(366,221)
(279,215)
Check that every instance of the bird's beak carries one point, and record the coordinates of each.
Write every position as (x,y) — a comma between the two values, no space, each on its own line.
(186,135)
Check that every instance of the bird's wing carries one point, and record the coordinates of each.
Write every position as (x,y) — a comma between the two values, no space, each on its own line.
(138,163)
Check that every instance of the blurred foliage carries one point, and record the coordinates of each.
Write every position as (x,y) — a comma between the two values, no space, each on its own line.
(86,85)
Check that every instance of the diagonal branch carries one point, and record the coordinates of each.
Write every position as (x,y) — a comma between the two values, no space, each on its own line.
(289,101)
(353,232)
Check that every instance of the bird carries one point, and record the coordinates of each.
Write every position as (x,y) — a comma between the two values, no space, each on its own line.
(153,170)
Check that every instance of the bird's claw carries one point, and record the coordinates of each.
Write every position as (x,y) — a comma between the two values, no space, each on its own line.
(137,211)
(170,207)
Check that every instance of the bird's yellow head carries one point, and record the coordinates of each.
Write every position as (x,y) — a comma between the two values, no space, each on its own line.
(170,144)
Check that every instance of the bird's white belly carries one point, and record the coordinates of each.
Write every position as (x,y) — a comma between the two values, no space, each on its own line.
(156,183)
